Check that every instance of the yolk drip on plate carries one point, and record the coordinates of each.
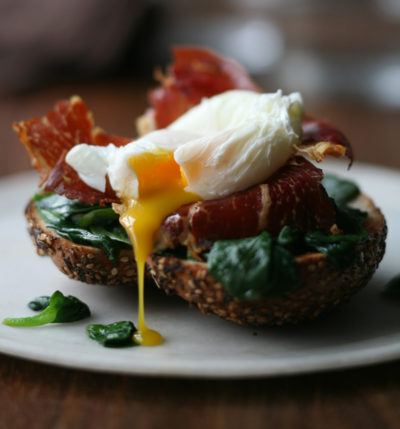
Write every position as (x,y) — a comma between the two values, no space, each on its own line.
(161,192)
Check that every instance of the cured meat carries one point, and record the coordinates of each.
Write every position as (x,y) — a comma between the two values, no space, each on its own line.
(46,139)
(319,138)
(292,196)
(50,138)
(101,138)
(64,180)
(298,199)
(197,73)
(194,74)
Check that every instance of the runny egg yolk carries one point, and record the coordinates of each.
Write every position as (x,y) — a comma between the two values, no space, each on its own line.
(161,192)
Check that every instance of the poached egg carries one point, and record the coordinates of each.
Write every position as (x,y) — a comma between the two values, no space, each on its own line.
(226,144)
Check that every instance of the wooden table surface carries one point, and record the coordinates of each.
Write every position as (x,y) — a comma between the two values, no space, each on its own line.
(34,395)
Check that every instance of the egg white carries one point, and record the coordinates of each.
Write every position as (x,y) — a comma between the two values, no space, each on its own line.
(227,143)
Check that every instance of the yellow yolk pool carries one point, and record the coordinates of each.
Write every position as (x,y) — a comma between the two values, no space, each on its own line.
(161,192)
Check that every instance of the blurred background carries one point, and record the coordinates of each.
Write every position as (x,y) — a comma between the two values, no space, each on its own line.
(343,56)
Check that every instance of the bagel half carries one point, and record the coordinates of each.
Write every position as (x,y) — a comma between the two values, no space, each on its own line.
(322,285)
(77,261)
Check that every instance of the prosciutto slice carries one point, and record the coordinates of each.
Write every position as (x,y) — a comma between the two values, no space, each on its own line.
(319,138)
(197,73)
(194,74)
(49,139)
(292,196)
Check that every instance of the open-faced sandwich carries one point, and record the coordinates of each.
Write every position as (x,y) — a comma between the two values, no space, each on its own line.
(218,195)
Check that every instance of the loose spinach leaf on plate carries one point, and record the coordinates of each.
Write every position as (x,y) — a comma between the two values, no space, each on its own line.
(39,303)
(68,308)
(118,334)
(61,309)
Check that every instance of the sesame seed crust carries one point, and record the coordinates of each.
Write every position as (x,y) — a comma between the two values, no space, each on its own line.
(80,262)
(322,287)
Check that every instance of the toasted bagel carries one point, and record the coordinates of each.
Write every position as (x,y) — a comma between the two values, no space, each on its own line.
(77,261)
(322,285)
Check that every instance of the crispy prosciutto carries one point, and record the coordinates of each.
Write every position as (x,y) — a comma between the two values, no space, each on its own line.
(64,180)
(195,73)
(319,138)
(292,196)
(48,140)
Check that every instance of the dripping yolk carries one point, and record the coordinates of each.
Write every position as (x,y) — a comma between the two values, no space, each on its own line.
(156,172)
(161,192)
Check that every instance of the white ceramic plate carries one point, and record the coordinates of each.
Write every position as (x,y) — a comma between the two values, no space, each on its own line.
(364,331)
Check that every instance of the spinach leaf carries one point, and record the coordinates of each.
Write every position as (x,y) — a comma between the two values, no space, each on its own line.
(341,190)
(83,223)
(253,267)
(392,288)
(61,309)
(39,303)
(118,334)
(291,238)
(82,236)
(69,308)
(351,220)
(339,248)
(263,266)
(114,233)
(62,206)
(94,215)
